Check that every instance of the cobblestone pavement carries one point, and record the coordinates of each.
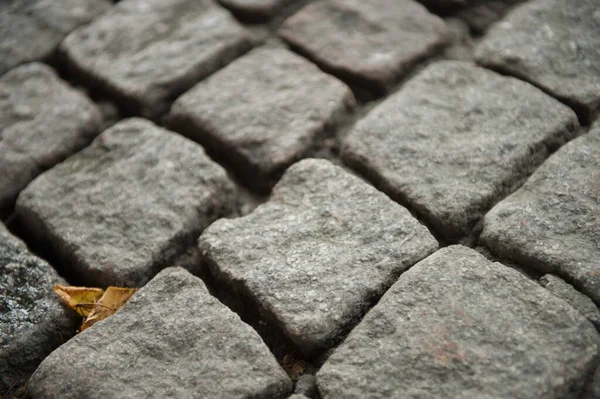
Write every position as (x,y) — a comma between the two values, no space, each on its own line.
(317,198)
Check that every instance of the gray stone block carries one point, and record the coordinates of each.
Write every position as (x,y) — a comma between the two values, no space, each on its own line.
(32,321)
(569,294)
(171,339)
(554,44)
(262,116)
(147,52)
(459,326)
(551,223)
(123,208)
(454,140)
(32,29)
(373,42)
(317,255)
(42,121)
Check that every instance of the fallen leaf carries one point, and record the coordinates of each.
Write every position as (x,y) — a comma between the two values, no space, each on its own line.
(94,304)
(80,299)
(111,301)
(294,367)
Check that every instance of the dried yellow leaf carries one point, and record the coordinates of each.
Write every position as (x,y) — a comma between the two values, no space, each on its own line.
(94,304)
(111,301)
(80,299)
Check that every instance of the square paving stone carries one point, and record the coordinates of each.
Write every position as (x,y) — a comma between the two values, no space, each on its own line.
(255,10)
(553,222)
(459,326)
(42,121)
(147,52)
(371,42)
(32,322)
(123,208)
(317,255)
(455,139)
(32,29)
(555,44)
(262,112)
(170,340)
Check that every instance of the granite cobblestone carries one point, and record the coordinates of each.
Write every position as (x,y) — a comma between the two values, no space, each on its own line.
(440,121)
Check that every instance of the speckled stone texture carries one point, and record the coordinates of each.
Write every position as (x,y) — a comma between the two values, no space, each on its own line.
(170,340)
(317,255)
(32,29)
(146,52)
(454,140)
(255,10)
(123,208)
(569,294)
(552,222)
(262,116)
(372,42)
(554,44)
(42,121)
(32,322)
(459,326)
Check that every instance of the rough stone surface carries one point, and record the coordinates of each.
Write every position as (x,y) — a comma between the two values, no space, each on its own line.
(146,52)
(315,257)
(171,340)
(121,209)
(373,42)
(42,121)
(551,223)
(32,322)
(32,29)
(567,293)
(554,44)
(455,139)
(255,9)
(262,116)
(459,326)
